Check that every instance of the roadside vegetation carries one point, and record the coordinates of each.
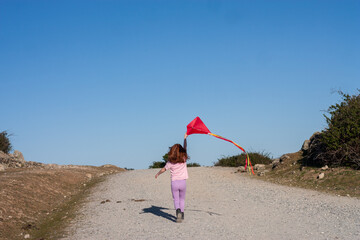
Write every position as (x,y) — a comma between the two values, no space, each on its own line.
(239,160)
(341,181)
(338,145)
(5,144)
(331,163)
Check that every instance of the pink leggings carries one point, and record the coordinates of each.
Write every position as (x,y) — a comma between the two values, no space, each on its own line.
(178,189)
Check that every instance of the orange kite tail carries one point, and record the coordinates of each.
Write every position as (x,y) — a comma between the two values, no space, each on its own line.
(247,160)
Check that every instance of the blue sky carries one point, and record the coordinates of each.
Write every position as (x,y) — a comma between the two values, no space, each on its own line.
(96,82)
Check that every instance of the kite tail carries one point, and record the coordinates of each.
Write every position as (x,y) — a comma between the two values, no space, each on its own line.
(247,160)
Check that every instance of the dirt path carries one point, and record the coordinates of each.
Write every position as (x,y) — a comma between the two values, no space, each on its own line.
(219,205)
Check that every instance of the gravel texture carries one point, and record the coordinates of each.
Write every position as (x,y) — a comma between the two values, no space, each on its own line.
(220,204)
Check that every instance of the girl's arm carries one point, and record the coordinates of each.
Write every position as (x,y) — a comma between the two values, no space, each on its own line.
(185,144)
(160,172)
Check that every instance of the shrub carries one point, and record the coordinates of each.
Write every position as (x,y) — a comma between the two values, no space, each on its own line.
(193,165)
(341,139)
(157,164)
(5,144)
(160,164)
(239,160)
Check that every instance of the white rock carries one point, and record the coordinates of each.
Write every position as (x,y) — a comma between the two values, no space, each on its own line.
(241,169)
(259,167)
(305,145)
(27,236)
(321,176)
(19,156)
(325,167)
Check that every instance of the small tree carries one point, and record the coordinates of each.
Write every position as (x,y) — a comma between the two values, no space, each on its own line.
(160,164)
(5,144)
(341,138)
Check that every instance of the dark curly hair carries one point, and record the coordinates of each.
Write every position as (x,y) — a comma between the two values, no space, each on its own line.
(177,154)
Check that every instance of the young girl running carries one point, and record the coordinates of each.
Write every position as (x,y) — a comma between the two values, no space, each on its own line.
(177,157)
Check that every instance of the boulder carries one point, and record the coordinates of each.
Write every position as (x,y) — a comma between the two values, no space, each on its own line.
(2,167)
(3,155)
(275,163)
(314,136)
(18,156)
(325,168)
(284,157)
(259,167)
(321,176)
(241,169)
(305,146)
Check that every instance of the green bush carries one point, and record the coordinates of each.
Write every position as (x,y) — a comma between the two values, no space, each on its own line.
(160,164)
(5,144)
(341,139)
(157,164)
(239,160)
(193,165)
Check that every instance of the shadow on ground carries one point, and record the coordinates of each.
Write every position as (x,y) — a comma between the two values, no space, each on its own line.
(158,211)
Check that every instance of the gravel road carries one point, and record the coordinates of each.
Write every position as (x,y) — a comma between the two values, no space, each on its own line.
(220,204)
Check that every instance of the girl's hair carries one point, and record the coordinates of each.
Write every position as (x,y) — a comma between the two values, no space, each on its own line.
(177,154)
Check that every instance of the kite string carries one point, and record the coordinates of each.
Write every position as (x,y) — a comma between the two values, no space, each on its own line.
(247,160)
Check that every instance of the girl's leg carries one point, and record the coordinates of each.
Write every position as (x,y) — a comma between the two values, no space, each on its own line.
(175,193)
(182,193)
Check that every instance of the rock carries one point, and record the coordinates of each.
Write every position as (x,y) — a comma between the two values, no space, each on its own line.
(259,167)
(18,156)
(260,174)
(2,167)
(314,136)
(241,169)
(3,155)
(108,165)
(88,175)
(305,145)
(284,157)
(325,168)
(321,176)
(275,165)
(52,166)
(27,236)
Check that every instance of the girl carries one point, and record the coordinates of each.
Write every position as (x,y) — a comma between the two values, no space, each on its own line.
(177,157)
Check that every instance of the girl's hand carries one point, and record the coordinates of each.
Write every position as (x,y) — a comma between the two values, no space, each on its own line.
(185,136)
(156,175)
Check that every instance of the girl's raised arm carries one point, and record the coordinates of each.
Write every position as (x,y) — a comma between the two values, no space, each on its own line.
(185,143)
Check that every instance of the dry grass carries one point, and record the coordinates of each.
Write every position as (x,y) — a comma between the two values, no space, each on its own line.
(39,201)
(338,181)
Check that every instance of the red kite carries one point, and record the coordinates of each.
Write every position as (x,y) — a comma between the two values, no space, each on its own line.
(197,126)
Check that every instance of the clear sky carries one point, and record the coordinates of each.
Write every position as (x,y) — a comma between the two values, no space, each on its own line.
(96,82)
